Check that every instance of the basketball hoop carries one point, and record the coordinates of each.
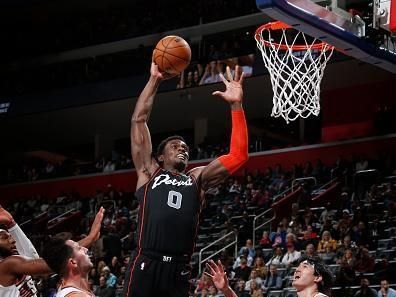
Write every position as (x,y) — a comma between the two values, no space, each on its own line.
(296,63)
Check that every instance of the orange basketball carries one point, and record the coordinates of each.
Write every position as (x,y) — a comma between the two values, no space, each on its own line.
(172,54)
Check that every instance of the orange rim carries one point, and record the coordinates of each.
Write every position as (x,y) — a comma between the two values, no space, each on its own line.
(278,25)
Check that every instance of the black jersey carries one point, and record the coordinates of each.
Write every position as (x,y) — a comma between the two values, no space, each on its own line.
(170,205)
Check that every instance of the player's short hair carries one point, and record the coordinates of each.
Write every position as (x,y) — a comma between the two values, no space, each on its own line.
(320,269)
(161,146)
(56,253)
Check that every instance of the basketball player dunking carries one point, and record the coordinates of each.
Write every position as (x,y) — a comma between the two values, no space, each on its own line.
(171,200)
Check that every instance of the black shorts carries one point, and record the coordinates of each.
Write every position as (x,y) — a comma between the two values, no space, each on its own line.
(152,274)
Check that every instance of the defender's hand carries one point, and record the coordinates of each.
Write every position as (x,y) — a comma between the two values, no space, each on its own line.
(234,91)
(217,274)
(97,223)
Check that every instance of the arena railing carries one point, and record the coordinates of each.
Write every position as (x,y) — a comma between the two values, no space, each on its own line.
(231,235)
(303,179)
(266,223)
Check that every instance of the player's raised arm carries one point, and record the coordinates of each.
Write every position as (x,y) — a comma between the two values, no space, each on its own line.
(140,135)
(17,265)
(216,171)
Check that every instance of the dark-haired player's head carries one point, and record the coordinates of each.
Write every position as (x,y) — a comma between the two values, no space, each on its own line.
(65,255)
(312,274)
(173,152)
(7,244)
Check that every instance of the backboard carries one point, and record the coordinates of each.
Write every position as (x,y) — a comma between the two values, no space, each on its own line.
(365,30)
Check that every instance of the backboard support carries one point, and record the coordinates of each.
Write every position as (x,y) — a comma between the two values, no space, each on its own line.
(346,34)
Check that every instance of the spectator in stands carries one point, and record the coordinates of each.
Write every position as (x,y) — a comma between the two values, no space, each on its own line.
(204,283)
(204,293)
(328,226)
(94,276)
(309,218)
(361,164)
(254,277)
(346,275)
(115,266)
(291,239)
(328,257)
(278,238)
(129,242)
(245,256)
(255,290)
(213,292)
(273,280)
(347,244)
(245,227)
(260,268)
(364,262)
(327,241)
(365,290)
(101,265)
(310,250)
(360,234)
(109,167)
(265,241)
(103,290)
(240,289)
(211,74)
(277,257)
(111,279)
(249,247)
(347,259)
(344,227)
(312,278)
(385,291)
(307,240)
(291,256)
(243,270)
(327,213)
(112,245)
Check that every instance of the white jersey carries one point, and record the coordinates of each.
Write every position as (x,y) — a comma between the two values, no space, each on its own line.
(25,286)
(320,295)
(10,291)
(64,291)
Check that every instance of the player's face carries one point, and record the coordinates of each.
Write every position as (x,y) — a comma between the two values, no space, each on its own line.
(176,154)
(80,255)
(7,243)
(304,276)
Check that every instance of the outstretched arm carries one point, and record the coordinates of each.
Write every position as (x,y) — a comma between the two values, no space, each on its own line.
(17,265)
(94,234)
(219,278)
(140,135)
(223,166)
(22,243)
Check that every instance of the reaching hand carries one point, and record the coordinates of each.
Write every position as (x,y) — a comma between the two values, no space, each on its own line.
(6,218)
(234,91)
(217,274)
(97,223)
(157,73)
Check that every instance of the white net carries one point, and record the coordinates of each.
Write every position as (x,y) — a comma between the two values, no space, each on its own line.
(295,70)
